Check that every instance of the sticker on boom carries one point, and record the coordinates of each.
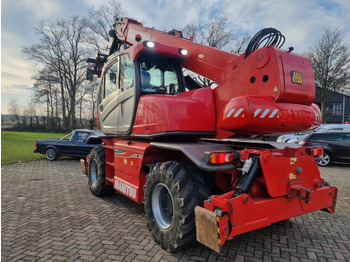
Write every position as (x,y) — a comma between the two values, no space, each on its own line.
(297,77)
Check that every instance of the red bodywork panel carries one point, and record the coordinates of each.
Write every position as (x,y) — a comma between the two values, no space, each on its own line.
(123,167)
(290,186)
(126,164)
(183,112)
(259,97)
(261,115)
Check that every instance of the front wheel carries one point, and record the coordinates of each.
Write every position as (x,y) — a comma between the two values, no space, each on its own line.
(324,160)
(172,191)
(97,173)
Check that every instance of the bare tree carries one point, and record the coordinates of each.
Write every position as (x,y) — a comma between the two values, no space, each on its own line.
(14,110)
(241,43)
(30,111)
(330,58)
(60,48)
(99,22)
(46,91)
(213,34)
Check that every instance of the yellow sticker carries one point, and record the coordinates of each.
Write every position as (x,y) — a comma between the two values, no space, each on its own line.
(125,161)
(292,176)
(275,89)
(293,160)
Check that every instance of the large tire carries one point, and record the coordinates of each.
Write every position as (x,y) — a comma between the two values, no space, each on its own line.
(51,154)
(172,191)
(97,173)
(325,159)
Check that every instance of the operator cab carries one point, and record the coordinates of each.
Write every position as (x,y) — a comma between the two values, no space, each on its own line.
(124,81)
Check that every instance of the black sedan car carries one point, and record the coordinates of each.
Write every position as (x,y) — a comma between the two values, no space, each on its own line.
(73,144)
(336,146)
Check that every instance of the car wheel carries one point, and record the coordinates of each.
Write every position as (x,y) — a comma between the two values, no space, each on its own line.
(324,160)
(97,173)
(51,154)
(172,191)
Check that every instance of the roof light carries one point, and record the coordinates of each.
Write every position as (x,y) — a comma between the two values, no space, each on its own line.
(149,44)
(138,38)
(218,157)
(183,52)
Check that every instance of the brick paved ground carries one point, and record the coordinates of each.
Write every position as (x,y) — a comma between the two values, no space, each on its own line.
(49,214)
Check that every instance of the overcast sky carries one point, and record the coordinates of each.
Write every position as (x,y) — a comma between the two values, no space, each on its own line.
(302,22)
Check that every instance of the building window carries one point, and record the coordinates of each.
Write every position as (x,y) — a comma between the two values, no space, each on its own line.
(337,109)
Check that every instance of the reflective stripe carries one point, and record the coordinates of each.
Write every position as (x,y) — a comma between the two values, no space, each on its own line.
(231,112)
(265,113)
(274,112)
(257,112)
(238,112)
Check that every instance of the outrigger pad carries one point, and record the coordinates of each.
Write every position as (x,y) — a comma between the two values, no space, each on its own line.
(207,229)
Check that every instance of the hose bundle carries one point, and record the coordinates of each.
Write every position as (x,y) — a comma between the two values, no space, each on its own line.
(265,37)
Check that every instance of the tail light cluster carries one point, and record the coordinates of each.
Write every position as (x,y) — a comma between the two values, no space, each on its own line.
(316,151)
(218,157)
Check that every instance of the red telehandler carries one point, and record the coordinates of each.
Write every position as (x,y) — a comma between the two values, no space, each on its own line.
(181,149)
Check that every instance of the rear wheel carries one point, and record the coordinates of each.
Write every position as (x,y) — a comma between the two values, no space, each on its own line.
(324,160)
(51,154)
(97,173)
(172,191)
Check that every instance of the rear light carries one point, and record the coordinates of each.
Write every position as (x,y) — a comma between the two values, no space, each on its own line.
(316,151)
(36,145)
(218,157)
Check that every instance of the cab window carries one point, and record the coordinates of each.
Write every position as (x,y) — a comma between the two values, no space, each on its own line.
(159,75)
(127,75)
(110,80)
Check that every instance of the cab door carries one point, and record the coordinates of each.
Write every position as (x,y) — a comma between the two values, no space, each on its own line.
(126,96)
(116,97)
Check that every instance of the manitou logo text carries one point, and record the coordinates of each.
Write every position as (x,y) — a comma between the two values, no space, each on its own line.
(125,188)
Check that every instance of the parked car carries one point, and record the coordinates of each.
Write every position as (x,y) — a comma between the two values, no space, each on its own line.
(336,146)
(287,137)
(294,138)
(333,127)
(73,144)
